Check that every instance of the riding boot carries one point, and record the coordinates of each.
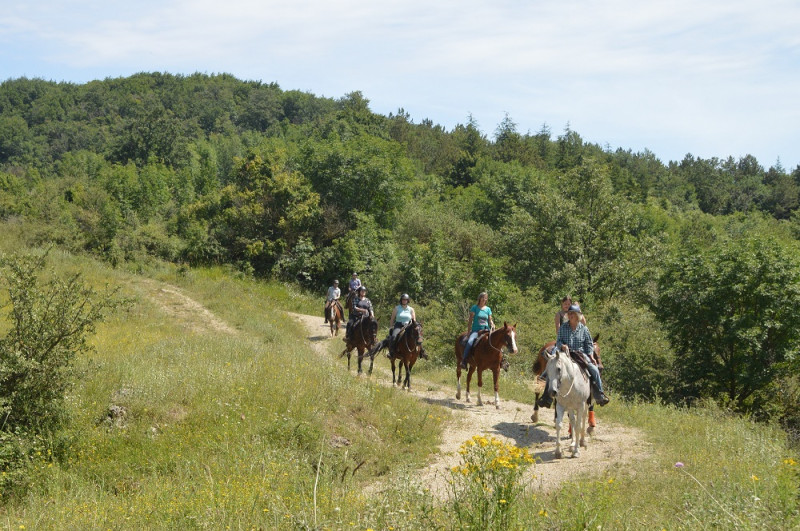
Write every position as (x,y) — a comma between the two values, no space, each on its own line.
(545,401)
(599,397)
(466,354)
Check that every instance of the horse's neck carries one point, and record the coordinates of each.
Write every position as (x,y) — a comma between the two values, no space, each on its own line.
(497,339)
(570,367)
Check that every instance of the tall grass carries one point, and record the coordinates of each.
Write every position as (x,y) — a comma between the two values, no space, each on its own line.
(250,429)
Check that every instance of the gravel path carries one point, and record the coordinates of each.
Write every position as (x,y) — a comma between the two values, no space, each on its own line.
(610,447)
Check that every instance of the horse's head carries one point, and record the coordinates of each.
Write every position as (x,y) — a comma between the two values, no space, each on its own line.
(510,337)
(541,358)
(555,369)
(416,332)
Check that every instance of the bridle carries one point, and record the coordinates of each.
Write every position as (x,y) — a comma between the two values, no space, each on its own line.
(417,328)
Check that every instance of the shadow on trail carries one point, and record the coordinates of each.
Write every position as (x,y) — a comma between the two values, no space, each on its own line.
(450,403)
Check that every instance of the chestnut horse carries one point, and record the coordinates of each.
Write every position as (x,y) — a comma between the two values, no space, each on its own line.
(335,316)
(540,364)
(362,338)
(486,353)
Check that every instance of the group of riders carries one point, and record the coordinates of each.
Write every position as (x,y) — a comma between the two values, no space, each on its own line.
(570,323)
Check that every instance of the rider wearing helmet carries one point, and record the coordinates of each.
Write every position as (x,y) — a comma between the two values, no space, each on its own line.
(362,307)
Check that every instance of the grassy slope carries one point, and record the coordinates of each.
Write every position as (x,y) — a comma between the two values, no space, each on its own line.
(228,430)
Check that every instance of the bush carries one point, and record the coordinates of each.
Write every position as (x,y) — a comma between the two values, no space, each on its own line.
(50,322)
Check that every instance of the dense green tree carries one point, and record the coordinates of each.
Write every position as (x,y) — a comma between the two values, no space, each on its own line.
(731,312)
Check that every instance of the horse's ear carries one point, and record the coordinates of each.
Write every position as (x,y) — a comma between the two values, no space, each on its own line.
(505,324)
(596,337)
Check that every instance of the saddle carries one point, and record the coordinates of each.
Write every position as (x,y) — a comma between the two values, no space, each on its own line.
(463,339)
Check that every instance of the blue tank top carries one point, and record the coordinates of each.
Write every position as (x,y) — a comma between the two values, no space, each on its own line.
(402,315)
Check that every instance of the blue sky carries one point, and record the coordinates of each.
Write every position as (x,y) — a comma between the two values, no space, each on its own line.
(713,78)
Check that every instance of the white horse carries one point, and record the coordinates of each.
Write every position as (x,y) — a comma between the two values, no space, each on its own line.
(570,387)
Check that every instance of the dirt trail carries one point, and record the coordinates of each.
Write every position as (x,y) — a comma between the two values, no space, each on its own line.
(612,445)
(183,308)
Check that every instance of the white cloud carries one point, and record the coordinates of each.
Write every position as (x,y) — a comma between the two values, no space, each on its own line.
(700,73)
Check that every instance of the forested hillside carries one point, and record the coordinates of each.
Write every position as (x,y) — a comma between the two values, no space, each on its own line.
(689,269)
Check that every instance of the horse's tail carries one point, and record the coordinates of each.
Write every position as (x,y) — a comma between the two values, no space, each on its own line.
(377,348)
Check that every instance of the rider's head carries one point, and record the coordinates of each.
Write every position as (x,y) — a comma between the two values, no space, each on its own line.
(362,290)
(335,282)
(483,298)
(355,275)
(574,312)
(404,298)
(566,302)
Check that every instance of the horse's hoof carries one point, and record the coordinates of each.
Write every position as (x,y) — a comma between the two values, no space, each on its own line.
(458,396)
(558,454)
(535,417)
(497,406)
(590,430)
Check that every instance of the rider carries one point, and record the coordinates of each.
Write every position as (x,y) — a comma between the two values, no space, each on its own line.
(362,307)
(576,336)
(402,315)
(334,293)
(354,283)
(480,318)
(561,316)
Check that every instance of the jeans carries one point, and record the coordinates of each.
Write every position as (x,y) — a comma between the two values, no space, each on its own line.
(594,373)
(470,341)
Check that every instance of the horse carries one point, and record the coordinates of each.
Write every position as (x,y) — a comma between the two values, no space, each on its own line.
(362,338)
(541,363)
(349,301)
(335,316)
(486,353)
(570,387)
(406,350)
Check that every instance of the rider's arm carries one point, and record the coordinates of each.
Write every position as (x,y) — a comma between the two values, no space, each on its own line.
(413,315)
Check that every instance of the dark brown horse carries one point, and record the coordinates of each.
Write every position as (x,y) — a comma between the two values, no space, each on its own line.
(406,351)
(540,364)
(486,353)
(362,338)
(349,301)
(335,315)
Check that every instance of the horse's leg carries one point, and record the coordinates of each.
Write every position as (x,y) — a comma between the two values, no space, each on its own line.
(496,375)
(469,379)
(360,358)
(535,416)
(573,441)
(480,385)
(559,416)
(458,376)
(407,383)
(371,363)
(393,369)
(582,414)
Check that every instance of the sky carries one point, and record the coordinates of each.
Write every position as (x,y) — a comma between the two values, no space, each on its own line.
(710,78)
